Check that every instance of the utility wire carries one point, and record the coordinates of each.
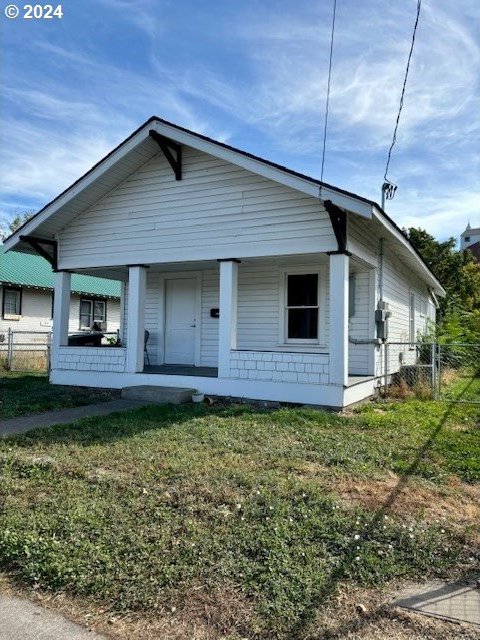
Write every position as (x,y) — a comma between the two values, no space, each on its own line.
(419,6)
(328,91)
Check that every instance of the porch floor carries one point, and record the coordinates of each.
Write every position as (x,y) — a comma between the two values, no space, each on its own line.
(181,370)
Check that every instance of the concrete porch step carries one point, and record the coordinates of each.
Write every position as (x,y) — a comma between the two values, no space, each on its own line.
(158,395)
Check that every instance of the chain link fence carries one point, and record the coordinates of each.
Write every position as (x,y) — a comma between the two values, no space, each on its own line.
(428,370)
(30,350)
(25,351)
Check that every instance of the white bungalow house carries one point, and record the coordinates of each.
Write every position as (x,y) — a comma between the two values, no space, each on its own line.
(252,280)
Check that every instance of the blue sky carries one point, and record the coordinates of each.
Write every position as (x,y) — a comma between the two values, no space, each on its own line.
(252,74)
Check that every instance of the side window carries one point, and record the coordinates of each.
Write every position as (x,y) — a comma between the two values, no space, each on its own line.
(301,311)
(92,313)
(351,296)
(11,303)
(411,332)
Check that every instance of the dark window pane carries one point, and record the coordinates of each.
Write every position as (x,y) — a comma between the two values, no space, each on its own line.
(302,290)
(85,313)
(11,302)
(303,324)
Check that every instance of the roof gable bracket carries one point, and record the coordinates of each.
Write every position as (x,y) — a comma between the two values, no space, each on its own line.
(37,243)
(338,218)
(167,146)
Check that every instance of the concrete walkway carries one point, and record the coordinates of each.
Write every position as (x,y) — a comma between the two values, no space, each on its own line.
(22,424)
(459,601)
(22,620)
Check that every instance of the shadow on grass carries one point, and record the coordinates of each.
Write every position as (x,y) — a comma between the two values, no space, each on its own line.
(300,628)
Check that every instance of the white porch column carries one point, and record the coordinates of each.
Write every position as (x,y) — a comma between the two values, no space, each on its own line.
(227,330)
(61,313)
(137,286)
(339,318)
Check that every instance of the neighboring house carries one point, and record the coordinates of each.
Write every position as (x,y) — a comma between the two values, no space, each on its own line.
(470,240)
(469,237)
(252,280)
(26,292)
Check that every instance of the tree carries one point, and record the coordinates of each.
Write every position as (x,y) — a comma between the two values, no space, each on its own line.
(459,274)
(15,223)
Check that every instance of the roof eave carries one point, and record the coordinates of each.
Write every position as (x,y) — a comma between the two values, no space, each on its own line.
(396,232)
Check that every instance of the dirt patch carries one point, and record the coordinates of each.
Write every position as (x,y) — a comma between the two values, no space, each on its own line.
(201,614)
(457,502)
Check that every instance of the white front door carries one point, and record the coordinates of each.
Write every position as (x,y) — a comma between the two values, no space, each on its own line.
(180,320)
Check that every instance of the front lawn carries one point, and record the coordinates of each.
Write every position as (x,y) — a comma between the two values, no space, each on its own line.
(21,394)
(234,522)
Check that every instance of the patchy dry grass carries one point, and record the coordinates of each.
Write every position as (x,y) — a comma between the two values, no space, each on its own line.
(196,522)
(21,394)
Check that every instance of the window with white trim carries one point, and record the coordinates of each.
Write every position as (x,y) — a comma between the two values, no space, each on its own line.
(411,319)
(92,312)
(11,303)
(423,306)
(302,307)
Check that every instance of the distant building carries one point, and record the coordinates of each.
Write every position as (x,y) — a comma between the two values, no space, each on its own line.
(470,239)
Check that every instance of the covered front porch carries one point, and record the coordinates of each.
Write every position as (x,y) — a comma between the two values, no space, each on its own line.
(291,328)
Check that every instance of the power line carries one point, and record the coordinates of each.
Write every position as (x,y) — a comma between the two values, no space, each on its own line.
(419,5)
(328,90)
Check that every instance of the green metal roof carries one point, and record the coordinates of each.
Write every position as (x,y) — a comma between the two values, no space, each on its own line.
(34,271)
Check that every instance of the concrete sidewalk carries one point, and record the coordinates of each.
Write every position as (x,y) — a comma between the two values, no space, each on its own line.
(22,424)
(22,620)
(459,601)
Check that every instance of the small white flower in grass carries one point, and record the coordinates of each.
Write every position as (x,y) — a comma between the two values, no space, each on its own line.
(356,537)
(357,558)
(290,519)
(242,518)
(411,536)
(271,508)
(357,548)
(239,506)
(410,528)
(442,530)
(385,517)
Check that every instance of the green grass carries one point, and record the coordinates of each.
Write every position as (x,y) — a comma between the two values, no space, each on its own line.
(136,510)
(22,394)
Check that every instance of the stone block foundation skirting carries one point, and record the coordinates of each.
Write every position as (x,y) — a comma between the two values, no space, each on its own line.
(92,359)
(306,368)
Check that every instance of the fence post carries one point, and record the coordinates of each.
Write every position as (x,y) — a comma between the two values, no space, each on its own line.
(439,370)
(49,351)
(433,362)
(386,368)
(10,349)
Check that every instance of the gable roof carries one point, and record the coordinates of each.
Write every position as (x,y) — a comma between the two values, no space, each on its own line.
(139,147)
(29,270)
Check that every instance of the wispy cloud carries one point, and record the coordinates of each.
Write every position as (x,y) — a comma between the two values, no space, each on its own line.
(255,74)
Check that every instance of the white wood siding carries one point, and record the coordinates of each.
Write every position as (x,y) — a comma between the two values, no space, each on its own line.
(359,327)
(258,312)
(217,210)
(398,283)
